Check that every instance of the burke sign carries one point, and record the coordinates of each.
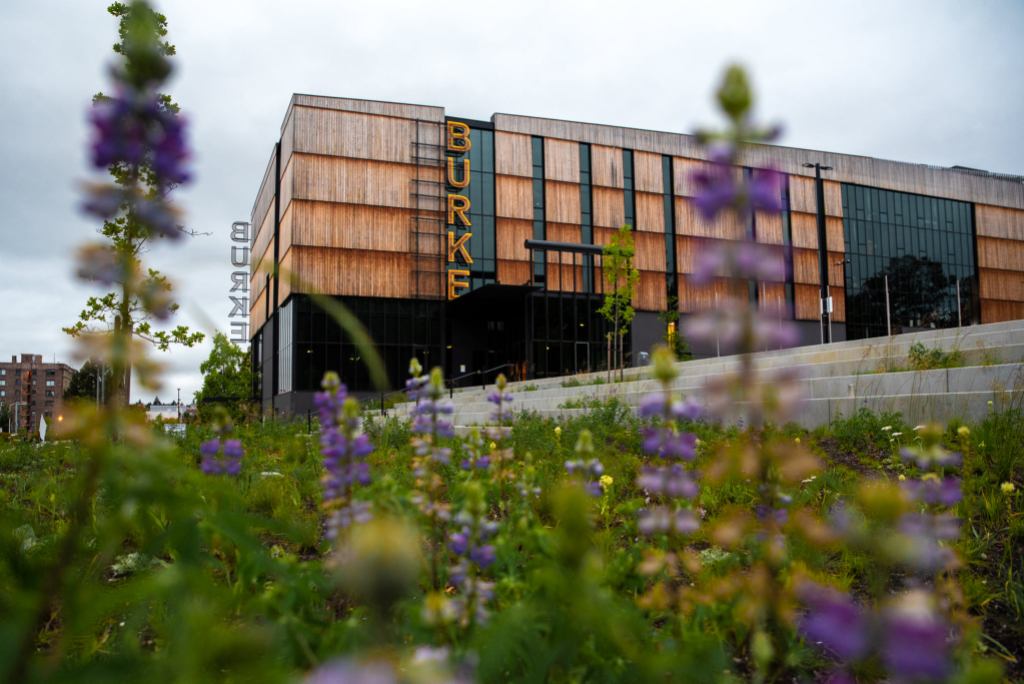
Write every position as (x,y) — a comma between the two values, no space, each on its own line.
(458,144)
(239,283)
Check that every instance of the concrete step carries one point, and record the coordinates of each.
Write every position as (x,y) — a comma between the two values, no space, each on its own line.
(914,408)
(839,372)
(981,344)
(856,372)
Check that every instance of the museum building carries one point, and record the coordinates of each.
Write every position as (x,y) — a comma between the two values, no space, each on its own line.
(476,245)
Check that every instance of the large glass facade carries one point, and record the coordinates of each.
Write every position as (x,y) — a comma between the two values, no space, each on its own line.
(399,328)
(568,335)
(919,250)
(481,213)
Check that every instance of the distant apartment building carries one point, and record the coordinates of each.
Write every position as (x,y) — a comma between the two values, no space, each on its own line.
(31,389)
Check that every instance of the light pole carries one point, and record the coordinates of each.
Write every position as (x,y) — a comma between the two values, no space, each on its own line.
(179,404)
(819,186)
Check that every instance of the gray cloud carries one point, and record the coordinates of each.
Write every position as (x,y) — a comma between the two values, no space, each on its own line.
(923,81)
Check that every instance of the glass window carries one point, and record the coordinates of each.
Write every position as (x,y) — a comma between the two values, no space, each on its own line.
(907,240)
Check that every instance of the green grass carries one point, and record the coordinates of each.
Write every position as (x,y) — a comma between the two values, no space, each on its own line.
(171,562)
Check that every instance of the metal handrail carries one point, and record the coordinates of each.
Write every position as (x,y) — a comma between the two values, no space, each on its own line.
(480,373)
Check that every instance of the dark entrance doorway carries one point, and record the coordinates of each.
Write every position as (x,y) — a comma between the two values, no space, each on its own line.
(486,335)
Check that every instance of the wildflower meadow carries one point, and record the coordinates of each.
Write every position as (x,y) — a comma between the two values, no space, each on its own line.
(702,538)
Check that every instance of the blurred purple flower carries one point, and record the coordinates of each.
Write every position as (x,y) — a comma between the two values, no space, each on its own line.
(136,129)
(944,492)
(221,457)
(835,622)
(715,183)
(916,643)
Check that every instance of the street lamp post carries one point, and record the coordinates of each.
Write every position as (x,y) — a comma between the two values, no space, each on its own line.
(819,186)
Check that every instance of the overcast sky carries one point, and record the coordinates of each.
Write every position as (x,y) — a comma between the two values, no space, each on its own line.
(937,82)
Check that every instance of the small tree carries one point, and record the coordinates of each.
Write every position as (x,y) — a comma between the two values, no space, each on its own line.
(621,278)
(83,382)
(227,373)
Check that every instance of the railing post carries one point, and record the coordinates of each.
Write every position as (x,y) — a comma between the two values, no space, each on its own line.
(483,385)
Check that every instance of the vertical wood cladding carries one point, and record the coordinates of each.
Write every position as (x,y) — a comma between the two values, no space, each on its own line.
(512,154)
(650,212)
(690,222)
(803,196)
(647,172)
(609,207)
(606,166)
(561,161)
(350,272)
(561,202)
(513,197)
(511,234)
(1000,236)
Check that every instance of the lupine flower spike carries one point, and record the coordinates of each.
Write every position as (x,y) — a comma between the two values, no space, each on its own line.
(344,449)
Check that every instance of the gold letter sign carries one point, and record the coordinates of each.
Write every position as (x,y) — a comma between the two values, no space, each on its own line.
(458,144)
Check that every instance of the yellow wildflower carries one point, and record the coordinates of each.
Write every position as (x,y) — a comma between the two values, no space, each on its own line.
(963,431)
(493,445)
(606,481)
(558,431)
(902,477)
(796,439)
(1007,488)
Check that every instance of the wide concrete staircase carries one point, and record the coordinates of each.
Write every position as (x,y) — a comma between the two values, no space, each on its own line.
(836,379)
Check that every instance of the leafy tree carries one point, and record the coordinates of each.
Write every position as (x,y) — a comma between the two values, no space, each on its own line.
(621,278)
(83,382)
(134,309)
(227,372)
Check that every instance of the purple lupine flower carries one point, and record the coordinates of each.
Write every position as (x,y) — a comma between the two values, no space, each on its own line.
(221,457)
(915,643)
(716,185)
(666,443)
(671,486)
(764,193)
(135,128)
(666,520)
(588,470)
(471,545)
(931,458)
(934,491)
(348,671)
(343,449)
(835,622)
(416,385)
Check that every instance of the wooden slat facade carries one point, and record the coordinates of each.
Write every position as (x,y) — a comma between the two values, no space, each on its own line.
(357,181)
(609,207)
(513,154)
(513,197)
(999,222)
(650,212)
(562,202)
(690,222)
(351,272)
(647,172)
(511,234)
(606,166)
(347,207)
(561,160)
